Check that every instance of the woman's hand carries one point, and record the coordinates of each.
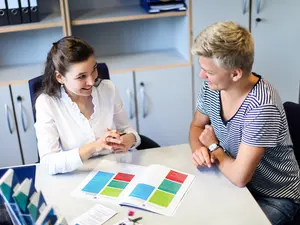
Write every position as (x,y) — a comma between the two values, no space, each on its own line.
(110,140)
(126,142)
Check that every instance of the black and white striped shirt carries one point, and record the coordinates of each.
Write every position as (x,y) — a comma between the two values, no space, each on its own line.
(260,121)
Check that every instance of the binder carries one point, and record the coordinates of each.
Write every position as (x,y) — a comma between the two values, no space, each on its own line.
(24,5)
(157,6)
(3,13)
(34,11)
(14,14)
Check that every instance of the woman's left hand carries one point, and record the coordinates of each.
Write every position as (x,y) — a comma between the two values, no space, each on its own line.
(208,136)
(127,141)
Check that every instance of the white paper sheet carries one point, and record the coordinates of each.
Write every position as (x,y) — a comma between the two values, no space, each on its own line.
(99,214)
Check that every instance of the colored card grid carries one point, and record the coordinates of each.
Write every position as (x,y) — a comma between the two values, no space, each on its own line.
(169,186)
(117,184)
(176,176)
(142,191)
(98,182)
(124,177)
(161,198)
(112,192)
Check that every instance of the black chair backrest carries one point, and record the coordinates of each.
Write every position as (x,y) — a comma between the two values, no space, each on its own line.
(147,143)
(292,111)
(35,84)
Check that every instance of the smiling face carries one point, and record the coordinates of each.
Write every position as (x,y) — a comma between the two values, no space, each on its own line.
(80,78)
(217,77)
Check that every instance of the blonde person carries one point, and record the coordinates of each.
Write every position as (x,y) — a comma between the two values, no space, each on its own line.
(240,124)
(77,114)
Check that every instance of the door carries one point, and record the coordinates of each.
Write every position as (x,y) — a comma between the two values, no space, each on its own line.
(164,99)
(125,85)
(276,32)
(10,154)
(205,13)
(25,121)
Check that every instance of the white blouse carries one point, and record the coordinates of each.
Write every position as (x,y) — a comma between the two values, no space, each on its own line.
(61,128)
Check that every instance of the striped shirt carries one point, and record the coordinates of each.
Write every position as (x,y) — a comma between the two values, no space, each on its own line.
(260,121)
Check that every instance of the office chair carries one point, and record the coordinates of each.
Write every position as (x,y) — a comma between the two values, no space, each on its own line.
(147,143)
(292,111)
(35,86)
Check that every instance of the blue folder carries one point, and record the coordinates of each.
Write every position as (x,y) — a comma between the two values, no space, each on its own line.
(22,172)
(10,212)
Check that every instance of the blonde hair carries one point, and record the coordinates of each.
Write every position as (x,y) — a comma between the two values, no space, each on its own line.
(230,45)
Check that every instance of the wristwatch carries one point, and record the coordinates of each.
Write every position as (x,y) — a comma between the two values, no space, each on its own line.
(213,147)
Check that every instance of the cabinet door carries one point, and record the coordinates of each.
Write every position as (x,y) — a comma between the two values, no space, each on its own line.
(165,104)
(25,121)
(205,13)
(10,154)
(125,85)
(276,32)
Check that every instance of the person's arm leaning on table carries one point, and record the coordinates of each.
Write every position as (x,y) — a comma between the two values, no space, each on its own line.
(257,134)
(200,153)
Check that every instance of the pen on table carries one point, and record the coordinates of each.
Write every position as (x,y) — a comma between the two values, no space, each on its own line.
(122,134)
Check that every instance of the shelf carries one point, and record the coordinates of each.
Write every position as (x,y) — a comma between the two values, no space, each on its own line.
(48,21)
(117,14)
(116,64)
(144,61)
(19,74)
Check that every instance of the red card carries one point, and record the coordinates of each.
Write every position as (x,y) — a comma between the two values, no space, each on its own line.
(124,177)
(175,176)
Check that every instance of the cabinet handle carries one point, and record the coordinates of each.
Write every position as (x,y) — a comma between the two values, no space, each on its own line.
(8,118)
(244,6)
(257,20)
(144,106)
(19,99)
(258,3)
(130,103)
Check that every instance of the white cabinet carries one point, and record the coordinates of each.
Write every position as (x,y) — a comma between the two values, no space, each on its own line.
(10,149)
(162,102)
(25,122)
(125,85)
(277,35)
(18,142)
(165,104)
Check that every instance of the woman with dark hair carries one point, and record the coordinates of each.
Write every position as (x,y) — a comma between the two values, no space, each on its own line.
(77,114)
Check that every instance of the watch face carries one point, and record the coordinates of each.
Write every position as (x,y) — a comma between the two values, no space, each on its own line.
(213,147)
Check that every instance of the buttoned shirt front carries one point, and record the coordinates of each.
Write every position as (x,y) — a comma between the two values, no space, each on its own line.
(62,129)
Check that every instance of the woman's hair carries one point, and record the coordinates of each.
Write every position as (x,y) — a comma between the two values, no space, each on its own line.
(230,45)
(62,55)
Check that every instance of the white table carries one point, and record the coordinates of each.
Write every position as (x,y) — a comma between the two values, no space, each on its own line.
(211,199)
